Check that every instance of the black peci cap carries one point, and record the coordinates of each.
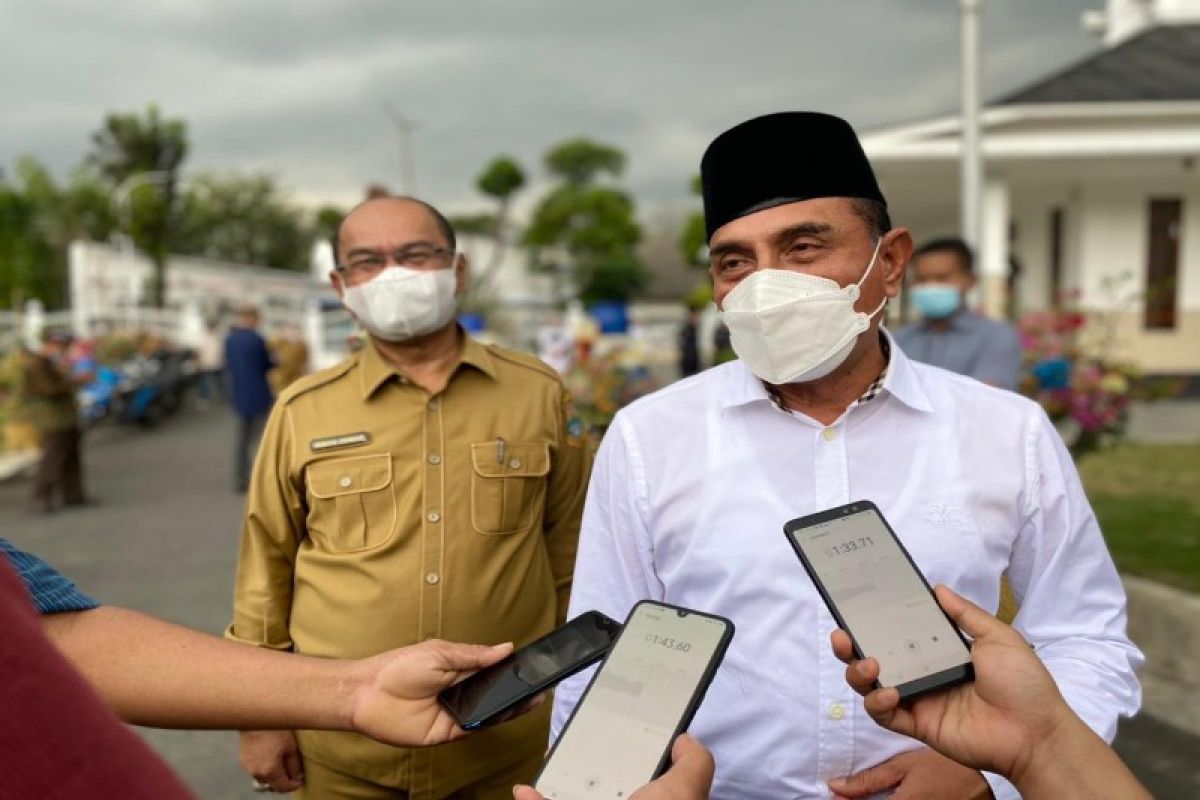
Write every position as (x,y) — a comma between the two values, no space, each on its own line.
(782,158)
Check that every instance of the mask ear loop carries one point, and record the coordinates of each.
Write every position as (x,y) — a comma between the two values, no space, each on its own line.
(854,289)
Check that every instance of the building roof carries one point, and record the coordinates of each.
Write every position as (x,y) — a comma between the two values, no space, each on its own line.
(1161,64)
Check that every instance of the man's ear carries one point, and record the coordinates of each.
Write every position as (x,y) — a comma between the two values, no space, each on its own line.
(462,274)
(894,256)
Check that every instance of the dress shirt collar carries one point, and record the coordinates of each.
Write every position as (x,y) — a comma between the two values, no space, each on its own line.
(899,379)
(374,371)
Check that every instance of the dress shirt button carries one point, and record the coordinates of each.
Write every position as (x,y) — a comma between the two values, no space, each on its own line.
(344,482)
(830,434)
(433,516)
(435,459)
(432,578)
(434,403)
(515,463)
(837,711)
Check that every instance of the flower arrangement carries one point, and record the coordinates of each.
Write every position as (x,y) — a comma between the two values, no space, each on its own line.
(601,384)
(1087,394)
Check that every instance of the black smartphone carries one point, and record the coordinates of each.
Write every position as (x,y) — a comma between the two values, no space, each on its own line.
(536,667)
(878,596)
(644,695)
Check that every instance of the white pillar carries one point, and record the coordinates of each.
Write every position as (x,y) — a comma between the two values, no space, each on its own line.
(971,164)
(314,334)
(35,321)
(992,253)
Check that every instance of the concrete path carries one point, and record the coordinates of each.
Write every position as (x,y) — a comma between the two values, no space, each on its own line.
(164,541)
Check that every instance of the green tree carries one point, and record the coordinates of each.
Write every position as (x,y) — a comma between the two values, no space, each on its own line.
(588,226)
(127,145)
(245,219)
(693,238)
(500,180)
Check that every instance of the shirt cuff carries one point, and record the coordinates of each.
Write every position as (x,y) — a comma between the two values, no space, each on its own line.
(1001,788)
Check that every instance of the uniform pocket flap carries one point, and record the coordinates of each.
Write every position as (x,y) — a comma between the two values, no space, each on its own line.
(511,460)
(349,475)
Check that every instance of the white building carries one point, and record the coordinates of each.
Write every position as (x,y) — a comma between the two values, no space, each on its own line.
(1092,184)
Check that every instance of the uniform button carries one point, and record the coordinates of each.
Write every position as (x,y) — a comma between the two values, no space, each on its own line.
(345,481)
(837,711)
(830,434)
(434,404)
(433,516)
(432,578)
(515,463)
(435,459)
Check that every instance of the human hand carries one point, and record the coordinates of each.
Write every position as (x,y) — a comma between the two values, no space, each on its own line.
(689,778)
(397,699)
(916,774)
(993,723)
(272,758)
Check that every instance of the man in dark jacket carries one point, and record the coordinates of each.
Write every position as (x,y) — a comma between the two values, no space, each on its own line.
(247,360)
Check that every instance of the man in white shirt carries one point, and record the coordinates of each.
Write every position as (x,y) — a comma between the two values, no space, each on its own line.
(692,485)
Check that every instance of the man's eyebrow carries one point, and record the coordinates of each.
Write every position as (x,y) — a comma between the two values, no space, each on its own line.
(371,251)
(802,229)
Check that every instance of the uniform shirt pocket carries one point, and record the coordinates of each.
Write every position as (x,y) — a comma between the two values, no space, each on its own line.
(507,485)
(352,504)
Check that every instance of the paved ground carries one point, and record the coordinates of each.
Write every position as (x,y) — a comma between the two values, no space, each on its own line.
(164,541)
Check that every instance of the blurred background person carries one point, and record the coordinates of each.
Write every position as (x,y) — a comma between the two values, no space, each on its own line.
(291,358)
(950,335)
(45,398)
(247,362)
(689,343)
(210,364)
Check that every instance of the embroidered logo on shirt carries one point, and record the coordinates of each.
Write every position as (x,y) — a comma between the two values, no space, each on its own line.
(337,442)
(946,515)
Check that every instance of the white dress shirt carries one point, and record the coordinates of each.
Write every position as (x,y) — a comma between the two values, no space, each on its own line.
(691,489)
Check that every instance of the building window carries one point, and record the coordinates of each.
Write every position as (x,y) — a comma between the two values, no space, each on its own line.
(1162,263)
(1056,257)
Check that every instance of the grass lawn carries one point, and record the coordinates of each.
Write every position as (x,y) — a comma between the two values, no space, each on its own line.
(1147,498)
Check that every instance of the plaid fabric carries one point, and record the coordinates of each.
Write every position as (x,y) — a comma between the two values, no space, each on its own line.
(872,391)
(51,591)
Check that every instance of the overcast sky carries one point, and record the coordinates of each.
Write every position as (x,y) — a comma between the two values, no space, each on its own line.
(297,88)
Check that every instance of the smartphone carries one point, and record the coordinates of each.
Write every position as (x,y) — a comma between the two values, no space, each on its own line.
(502,687)
(643,696)
(878,596)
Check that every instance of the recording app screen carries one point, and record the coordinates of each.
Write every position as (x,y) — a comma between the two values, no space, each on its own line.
(625,722)
(584,638)
(886,606)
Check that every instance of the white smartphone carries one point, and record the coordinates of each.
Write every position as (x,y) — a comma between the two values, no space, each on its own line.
(644,695)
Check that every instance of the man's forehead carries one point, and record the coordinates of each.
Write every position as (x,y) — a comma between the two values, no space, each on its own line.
(390,219)
(834,214)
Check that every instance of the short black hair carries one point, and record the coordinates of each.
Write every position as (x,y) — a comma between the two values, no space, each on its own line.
(874,213)
(443,224)
(950,244)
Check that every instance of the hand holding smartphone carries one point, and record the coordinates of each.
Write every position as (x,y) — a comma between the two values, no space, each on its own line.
(489,694)
(644,694)
(879,597)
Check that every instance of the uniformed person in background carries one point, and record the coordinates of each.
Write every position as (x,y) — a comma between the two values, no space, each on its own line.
(427,486)
(291,358)
(45,399)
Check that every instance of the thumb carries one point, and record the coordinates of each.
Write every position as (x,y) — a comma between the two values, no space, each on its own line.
(876,779)
(695,766)
(974,621)
(526,793)
(465,657)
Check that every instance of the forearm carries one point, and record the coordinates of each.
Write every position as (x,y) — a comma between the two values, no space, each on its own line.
(1075,762)
(155,673)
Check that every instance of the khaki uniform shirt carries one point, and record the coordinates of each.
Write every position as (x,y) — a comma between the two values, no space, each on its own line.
(379,516)
(45,396)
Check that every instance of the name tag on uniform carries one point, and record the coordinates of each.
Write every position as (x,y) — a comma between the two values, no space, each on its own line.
(338,442)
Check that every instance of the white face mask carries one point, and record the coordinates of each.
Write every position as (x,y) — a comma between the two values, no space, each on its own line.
(790,327)
(401,303)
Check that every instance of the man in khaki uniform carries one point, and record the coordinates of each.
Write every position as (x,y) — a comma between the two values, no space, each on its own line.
(427,486)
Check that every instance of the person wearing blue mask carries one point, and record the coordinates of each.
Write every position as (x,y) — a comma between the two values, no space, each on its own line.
(950,335)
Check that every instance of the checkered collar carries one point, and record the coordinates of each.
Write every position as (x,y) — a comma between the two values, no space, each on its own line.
(872,391)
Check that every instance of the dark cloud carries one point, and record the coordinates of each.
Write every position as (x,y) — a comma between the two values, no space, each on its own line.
(297,88)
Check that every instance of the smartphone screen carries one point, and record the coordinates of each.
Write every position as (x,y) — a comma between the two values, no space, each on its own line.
(642,697)
(877,595)
(531,670)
